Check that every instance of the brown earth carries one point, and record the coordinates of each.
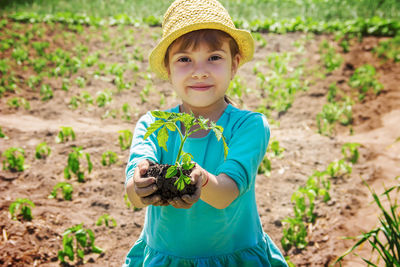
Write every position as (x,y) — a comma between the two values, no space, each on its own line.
(349,212)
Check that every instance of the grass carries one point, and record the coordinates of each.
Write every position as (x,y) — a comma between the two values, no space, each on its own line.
(238,9)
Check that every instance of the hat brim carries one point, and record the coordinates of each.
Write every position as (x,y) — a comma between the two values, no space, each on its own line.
(242,37)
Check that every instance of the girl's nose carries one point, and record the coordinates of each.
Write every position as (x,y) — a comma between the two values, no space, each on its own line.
(200,71)
(198,75)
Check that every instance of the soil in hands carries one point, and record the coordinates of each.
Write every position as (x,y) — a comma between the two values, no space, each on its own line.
(166,188)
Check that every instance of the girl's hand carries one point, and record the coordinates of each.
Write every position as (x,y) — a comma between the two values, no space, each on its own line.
(197,177)
(145,186)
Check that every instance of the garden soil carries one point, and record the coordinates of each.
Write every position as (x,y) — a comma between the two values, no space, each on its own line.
(349,212)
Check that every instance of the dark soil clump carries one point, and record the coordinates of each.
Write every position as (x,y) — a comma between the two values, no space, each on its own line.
(166,188)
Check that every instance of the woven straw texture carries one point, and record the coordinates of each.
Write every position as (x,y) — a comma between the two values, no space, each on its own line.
(184,16)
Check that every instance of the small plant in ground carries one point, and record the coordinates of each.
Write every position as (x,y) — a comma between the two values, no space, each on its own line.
(17,102)
(294,234)
(33,81)
(332,92)
(84,243)
(338,168)
(126,113)
(23,205)
(350,152)
(108,158)
(66,189)
(42,151)
(389,49)
(330,58)
(384,239)
(332,113)
(80,81)
(275,149)
(364,80)
(304,204)
(46,92)
(103,98)
(265,166)
(14,159)
(177,174)
(65,134)
(20,54)
(106,219)
(125,139)
(2,135)
(320,183)
(74,164)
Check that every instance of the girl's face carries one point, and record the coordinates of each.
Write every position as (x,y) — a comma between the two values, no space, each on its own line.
(201,77)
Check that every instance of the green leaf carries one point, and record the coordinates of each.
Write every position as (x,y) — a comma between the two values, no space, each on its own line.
(186,179)
(161,114)
(162,138)
(153,127)
(180,183)
(171,172)
(170,126)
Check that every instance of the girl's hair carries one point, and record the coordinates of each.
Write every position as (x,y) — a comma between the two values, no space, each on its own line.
(213,38)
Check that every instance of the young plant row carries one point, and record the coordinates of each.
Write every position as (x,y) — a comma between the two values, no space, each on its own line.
(339,107)
(304,199)
(280,83)
(370,26)
(77,241)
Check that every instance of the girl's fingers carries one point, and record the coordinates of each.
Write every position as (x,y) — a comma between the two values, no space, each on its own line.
(145,191)
(179,203)
(150,200)
(191,199)
(143,167)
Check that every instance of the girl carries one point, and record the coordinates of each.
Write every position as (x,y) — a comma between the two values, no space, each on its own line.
(219,225)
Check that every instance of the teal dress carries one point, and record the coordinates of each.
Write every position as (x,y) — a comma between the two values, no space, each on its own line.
(204,235)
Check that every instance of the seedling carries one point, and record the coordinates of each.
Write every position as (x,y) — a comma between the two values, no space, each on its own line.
(103,98)
(46,92)
(65,134)
(350,152)
(106,218)
(74,165)
(23,205)
(265,166)
(364,79)
(84,243)
(167,121)
(66,189)
(2,135)
(294,234)
(108,158)
(276,149)
(304,204)
(126,114)
(16,102)
(42,151)
(15,158)
(125,139)
(338,169)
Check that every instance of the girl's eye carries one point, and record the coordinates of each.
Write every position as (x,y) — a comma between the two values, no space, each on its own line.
(184,59)
(213,58)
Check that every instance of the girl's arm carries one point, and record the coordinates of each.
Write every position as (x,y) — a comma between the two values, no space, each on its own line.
(220,191)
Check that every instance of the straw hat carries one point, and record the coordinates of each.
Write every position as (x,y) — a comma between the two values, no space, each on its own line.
(185,16)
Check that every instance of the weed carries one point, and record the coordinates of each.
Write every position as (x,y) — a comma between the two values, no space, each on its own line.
(384,239)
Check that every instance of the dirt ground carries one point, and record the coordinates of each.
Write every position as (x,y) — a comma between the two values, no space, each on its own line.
(348,213)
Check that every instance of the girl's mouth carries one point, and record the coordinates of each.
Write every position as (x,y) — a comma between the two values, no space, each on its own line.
(200,87)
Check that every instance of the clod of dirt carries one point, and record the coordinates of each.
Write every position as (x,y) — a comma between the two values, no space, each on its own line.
(166,188)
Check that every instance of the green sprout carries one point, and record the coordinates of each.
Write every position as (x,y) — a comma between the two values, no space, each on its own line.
(84,243)
(74,165)
(42,151)
(24,206)
(14,159)
(106,218)
(66,189)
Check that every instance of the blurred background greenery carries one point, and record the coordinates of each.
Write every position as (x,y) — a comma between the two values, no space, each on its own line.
(322,10)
